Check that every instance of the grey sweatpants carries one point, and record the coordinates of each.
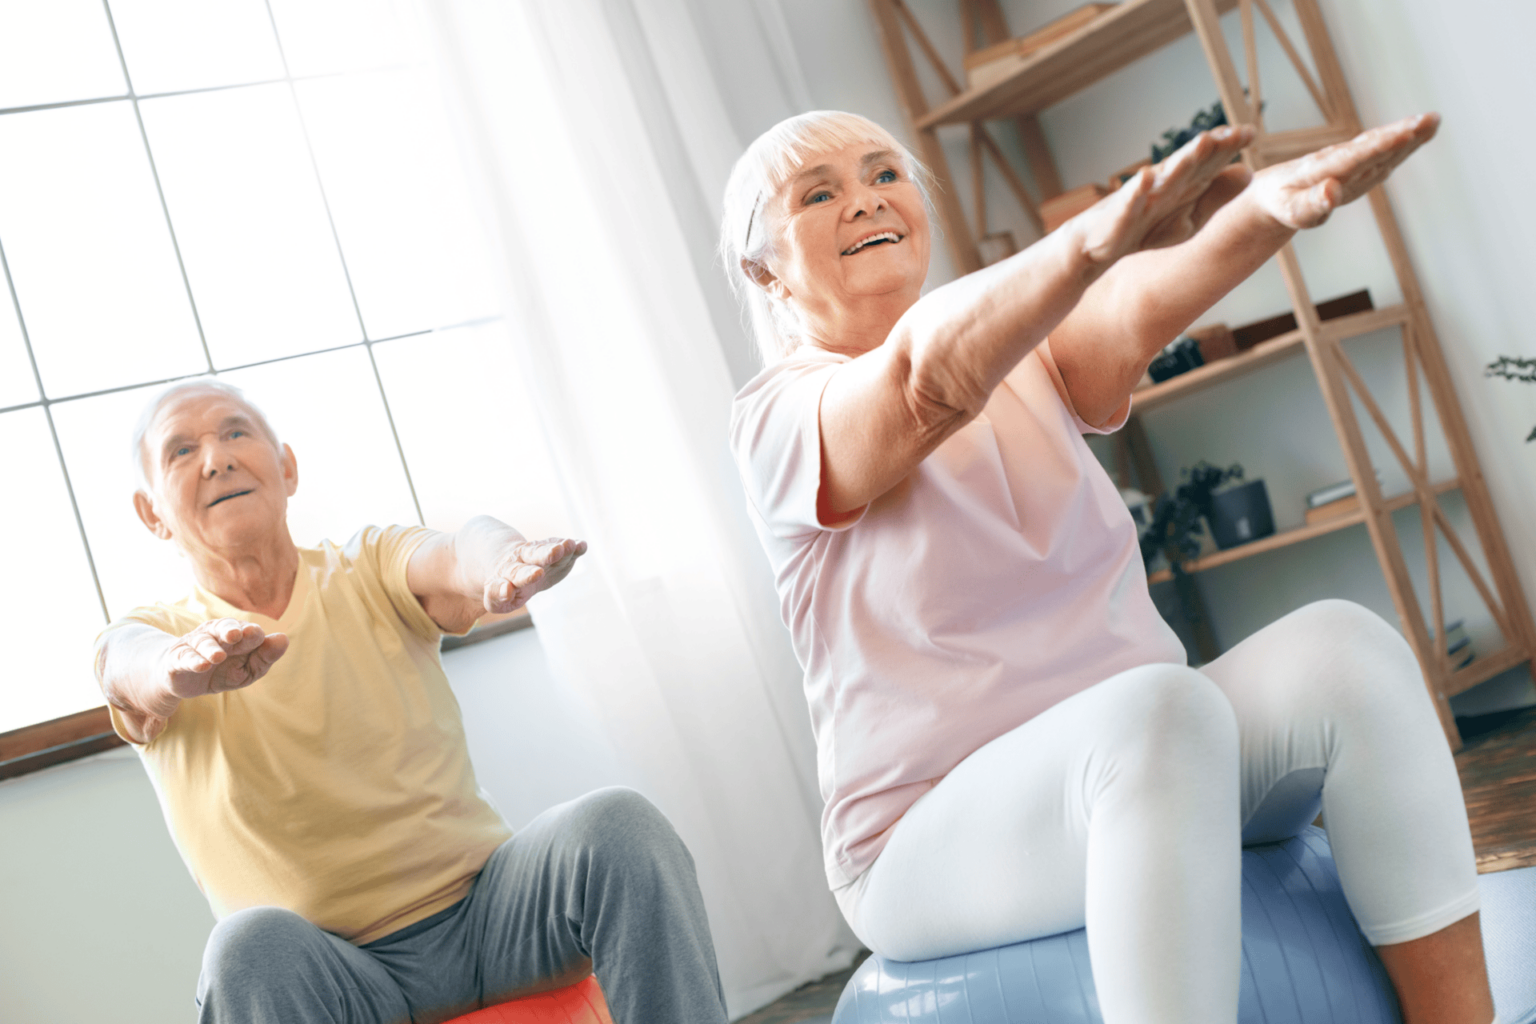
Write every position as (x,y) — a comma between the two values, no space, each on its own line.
(602,881)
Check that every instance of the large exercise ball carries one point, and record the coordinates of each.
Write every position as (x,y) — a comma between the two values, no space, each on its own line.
(1304,962)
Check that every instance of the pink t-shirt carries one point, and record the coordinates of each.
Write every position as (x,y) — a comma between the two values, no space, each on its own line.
(1000,578)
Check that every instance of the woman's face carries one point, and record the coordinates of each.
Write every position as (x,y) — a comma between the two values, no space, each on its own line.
(851,228)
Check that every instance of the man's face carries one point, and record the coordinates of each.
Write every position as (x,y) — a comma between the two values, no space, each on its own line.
(218,483)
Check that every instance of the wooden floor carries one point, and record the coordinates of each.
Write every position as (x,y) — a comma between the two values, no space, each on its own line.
(808,1004)
(1498,778)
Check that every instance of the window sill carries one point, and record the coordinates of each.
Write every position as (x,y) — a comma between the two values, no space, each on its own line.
(35,747)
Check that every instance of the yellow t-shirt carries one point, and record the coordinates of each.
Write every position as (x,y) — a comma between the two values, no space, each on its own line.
(339,785)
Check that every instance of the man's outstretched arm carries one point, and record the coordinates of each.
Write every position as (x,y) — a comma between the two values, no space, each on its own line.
(485,567)
(145,673)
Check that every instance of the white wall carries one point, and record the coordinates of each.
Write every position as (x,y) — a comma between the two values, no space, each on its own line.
(1465,211)
(100,921)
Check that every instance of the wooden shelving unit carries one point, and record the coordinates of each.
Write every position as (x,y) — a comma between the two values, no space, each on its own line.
(1119,37)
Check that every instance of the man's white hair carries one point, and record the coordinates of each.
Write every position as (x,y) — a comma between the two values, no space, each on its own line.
(176,390)
(747,232)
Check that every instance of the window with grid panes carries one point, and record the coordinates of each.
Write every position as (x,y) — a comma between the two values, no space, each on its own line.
(264,190)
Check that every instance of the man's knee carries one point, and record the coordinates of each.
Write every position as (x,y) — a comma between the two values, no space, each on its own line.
(256,945)
(621,829)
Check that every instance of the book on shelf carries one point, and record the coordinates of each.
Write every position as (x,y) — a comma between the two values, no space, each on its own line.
(1332,509)
(1458,645)
(1330,494)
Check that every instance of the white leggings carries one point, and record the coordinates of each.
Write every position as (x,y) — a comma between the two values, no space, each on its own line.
(1121,808)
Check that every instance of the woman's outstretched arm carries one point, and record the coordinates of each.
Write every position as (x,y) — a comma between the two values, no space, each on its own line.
(1104,345)
(885,411)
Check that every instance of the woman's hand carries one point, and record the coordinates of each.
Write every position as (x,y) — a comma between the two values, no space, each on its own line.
(1302,193)
(1166,204)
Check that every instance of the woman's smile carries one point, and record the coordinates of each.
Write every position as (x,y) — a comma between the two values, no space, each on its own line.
(871,240)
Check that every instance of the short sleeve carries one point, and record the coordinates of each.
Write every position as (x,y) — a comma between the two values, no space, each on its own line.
(776,441)
(175,620)
(387,552)
(1114,423)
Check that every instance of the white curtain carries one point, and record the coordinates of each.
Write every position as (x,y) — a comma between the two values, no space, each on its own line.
(599,150)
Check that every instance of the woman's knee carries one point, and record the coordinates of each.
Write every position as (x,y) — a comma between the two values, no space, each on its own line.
(1342,656)
(1171,718)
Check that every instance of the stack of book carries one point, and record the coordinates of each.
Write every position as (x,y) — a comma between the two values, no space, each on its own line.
(1332,501)
(1457,644)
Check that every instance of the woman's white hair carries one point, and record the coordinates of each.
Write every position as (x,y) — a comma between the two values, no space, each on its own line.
(747,231)
(182,387)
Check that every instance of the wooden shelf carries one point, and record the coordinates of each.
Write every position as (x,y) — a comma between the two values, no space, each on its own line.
(1302,533)
(1262,354)
(1074,62)
(1484,668)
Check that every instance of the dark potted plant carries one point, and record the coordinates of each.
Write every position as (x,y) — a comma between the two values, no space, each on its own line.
(1175,533)
(1518,368)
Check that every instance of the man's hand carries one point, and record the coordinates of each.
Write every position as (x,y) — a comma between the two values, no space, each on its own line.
(1166,204)
(224,654)
(1302,193)
(527,567)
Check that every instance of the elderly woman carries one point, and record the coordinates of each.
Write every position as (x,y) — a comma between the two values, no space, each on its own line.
(1010,742)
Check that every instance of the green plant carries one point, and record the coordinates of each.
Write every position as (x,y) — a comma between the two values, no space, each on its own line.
(1173,138)
(1175,527)
(1518,368)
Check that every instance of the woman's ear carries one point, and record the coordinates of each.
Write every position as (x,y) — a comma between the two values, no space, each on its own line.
(764,278)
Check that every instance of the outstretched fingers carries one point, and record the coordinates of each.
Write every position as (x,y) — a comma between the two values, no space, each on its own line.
(530,567)
(1312,187)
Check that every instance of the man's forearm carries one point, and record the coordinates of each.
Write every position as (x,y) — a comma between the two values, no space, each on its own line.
(449,572)
(479,547)
(127,659)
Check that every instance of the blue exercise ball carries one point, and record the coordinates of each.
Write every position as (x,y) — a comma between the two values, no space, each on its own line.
(1304,962)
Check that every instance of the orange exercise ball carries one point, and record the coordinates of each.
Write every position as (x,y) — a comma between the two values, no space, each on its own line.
(581,1003)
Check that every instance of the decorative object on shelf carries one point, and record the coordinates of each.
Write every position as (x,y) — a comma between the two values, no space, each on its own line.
(1216,342)
(1250,335)
(1179,356)
(994,63)
(1175,530)
(1175,533)
(1241,514)
(1057,210)
(996,247)
(1173,138)
(1514,368)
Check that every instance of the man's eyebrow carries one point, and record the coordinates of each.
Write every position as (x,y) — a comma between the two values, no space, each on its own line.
(234,420)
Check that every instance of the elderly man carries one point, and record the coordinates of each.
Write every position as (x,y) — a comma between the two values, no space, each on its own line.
(311,763)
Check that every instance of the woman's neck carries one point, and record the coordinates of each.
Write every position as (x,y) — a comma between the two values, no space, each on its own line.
(854,327)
